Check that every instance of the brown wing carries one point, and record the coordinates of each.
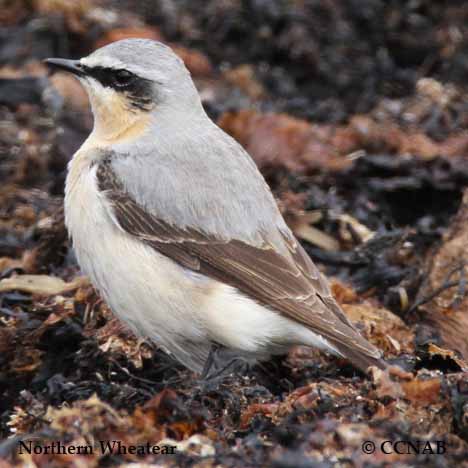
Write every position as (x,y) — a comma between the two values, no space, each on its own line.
(290,284)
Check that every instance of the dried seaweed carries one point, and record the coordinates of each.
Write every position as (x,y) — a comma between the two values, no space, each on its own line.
(356,113)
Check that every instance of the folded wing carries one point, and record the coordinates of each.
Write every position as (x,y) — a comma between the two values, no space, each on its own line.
(286,281)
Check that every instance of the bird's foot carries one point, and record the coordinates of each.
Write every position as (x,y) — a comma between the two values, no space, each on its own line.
(222,362)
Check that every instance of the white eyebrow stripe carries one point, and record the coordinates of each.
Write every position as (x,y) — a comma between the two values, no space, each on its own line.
(105,62)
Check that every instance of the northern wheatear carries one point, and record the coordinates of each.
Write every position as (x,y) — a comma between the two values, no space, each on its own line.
(176,227)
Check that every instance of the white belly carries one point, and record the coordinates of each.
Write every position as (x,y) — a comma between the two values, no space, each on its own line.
(178,309)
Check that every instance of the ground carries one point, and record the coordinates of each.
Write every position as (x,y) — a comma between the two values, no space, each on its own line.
(356,113)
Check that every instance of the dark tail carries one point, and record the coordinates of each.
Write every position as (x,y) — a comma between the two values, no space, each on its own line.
(361,359)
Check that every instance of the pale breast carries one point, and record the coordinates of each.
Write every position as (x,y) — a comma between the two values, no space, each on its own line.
(149,291)
(85,215)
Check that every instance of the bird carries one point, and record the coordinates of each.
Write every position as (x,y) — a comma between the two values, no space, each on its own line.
(177,229)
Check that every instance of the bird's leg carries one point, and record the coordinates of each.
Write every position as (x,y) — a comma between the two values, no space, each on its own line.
(215,368)
(237,363)
(220,360)
(210,360)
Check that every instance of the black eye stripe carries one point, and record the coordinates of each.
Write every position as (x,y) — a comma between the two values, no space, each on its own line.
(138,90)
(120,80)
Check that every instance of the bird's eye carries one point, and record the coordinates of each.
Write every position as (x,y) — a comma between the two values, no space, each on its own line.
(123,78)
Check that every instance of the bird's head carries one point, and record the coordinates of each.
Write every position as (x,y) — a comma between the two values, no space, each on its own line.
(132,83)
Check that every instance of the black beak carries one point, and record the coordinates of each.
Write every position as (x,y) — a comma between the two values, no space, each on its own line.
(72,66)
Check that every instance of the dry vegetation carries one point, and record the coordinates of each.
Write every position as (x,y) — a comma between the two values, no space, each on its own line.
(356,113)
